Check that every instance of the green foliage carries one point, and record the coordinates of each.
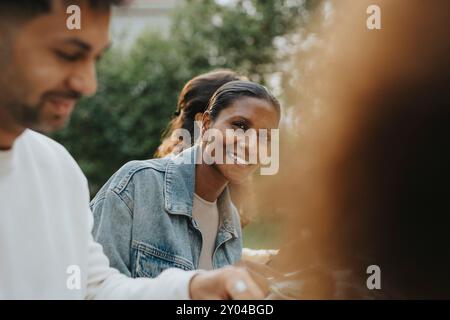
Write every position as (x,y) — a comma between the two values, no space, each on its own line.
(138,88)
(240,36)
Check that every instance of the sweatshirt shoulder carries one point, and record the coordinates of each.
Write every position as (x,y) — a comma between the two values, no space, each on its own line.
(42,140)
(51,152)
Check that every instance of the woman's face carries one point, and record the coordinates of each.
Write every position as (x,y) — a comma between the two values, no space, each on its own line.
(248,115)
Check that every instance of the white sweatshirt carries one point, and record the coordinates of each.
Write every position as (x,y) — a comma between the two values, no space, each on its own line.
(46,247)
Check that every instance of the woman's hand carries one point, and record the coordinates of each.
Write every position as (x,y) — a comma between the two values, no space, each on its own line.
(223,284)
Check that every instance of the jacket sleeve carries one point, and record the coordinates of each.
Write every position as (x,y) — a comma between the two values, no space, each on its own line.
(104,282)
(113,222)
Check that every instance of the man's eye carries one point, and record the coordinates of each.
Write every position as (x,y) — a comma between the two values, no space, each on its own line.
(67,56)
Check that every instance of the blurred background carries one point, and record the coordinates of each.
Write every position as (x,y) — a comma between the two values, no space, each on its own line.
(157,46)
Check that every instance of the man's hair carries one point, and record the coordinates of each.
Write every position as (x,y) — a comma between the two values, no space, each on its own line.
(26,9)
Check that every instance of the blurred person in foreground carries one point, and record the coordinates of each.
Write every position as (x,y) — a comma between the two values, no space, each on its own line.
(45,223)
(372,166)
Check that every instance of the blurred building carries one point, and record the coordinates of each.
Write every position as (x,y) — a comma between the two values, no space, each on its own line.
(128,22)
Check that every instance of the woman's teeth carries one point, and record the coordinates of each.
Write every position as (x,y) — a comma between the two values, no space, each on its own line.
(237,159)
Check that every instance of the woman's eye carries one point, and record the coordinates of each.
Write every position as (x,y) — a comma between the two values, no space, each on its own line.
(241,125)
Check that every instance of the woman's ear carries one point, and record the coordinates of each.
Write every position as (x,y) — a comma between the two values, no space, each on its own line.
(206,121)
(198,116)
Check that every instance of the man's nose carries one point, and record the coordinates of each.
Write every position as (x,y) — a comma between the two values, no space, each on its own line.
(84,79)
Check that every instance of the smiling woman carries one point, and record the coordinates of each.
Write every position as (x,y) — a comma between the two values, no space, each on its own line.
(168,212)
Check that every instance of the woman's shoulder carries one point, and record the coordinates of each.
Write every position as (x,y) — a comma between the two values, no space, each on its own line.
(138,171)
(134,173)
(135,166)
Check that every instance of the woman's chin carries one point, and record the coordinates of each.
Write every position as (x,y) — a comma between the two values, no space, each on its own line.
(239,175)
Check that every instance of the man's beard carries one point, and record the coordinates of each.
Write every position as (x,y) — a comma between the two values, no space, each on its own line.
(14,90)
(13,93)
(27,116)
(31,116)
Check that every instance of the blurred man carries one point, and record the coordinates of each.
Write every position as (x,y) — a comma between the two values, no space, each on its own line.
(45,242)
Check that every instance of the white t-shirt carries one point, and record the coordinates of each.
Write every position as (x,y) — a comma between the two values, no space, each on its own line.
(206,214)
(46,247)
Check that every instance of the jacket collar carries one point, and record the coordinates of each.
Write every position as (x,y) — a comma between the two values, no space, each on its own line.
(179,187)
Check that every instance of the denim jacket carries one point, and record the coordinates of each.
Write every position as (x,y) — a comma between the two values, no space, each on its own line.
(143,218)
